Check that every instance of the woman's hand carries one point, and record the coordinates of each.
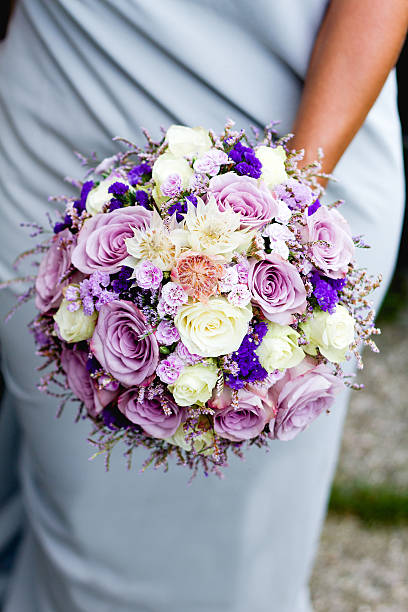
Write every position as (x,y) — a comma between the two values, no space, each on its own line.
(358,44)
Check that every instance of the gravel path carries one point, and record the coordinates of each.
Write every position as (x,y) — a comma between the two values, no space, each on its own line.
(360,569)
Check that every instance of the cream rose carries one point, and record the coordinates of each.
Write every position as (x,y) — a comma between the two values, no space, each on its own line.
(99,195)
(184,140)
(273,165)
(331,333)
(279,349)
(195,384)
(74,326)
(213,328)
(203,443)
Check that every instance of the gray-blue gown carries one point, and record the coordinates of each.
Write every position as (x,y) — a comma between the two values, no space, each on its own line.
(73,74)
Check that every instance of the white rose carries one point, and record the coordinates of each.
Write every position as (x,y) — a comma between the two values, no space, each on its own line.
(99,196)
(213,328)
(195,384)
(184,140)
(203,443)
(279,348)
(331,333)
(74,326)
(273,165)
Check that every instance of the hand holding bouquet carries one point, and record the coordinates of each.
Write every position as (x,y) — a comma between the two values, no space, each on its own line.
(198,297)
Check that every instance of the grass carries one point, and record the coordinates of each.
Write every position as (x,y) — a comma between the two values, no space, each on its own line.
(372,504)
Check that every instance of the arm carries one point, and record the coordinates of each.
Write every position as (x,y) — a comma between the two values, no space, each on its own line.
(358,44)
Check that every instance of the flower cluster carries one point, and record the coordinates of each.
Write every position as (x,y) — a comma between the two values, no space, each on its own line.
(201,298)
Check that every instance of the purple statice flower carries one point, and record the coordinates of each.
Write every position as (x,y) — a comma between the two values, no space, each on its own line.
(118,188)
(294,193)
(114,419)
(249,370)
(247,164)
(180,208)
(313,207)
(92,364)
(142,198)
(114,204)
(123,280)
(326,291)
(79,205)
(137,172)
(59,227)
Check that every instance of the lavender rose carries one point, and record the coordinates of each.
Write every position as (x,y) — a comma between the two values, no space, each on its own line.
(246,196)
(150,415)
(334,254)
(122,345)
(277,288)
(243,423)
(74,364)
(101,241)
(303,393)
(53,268)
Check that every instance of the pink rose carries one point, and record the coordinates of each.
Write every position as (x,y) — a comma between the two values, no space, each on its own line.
(245,195)
(101,241)
(303,393)
(123,345)
(53,267)
(277,288)
(74,364)
(150,415)
(245,422)
(334,255)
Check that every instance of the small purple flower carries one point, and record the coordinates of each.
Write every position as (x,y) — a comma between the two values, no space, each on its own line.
(313,207)
(114,204)
(247,164)
(185,355)
(294,193)
(172,186)
(142,198)
(118,188)
(326,291)
(137,172)
(240,295)
(169,369)
(173,295)
(167,333)
(148,276)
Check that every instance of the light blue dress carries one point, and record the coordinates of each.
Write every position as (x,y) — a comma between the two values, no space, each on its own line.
(73,75)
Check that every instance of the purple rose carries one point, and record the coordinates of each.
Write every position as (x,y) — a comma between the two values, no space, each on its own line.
(245,195)
(150,414)
(123,345)
(53,268)
(242,423)
(277,288)
(303,393)
(334,254)
(101,241)
(81,384)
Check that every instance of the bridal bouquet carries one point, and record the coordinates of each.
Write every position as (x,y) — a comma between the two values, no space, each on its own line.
(197,297)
